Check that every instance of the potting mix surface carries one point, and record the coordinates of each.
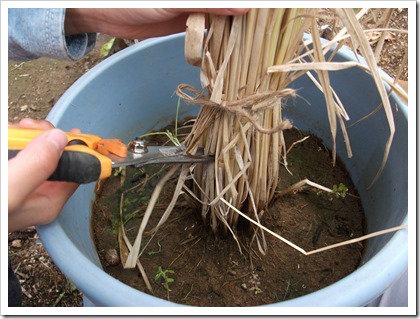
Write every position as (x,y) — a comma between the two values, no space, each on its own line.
(186,263)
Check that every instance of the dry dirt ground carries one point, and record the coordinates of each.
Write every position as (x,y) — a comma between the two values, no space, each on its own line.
(34,87)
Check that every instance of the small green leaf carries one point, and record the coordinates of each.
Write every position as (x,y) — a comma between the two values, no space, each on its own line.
(106,48)
(340,190)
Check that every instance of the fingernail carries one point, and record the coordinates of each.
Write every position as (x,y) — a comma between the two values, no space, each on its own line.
(58,138)
(26,122)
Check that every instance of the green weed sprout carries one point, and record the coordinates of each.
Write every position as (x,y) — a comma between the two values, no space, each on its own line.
(340,191)
(106,48)
(119,171)
(173,137)
(163,274)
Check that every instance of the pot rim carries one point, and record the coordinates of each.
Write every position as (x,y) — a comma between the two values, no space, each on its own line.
(347,290)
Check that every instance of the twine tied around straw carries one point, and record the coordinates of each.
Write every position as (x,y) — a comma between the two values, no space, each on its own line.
(246,107)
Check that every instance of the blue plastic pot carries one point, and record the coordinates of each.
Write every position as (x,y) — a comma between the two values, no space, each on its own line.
(132,92)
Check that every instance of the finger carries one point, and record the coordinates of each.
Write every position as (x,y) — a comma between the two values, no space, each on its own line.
(34,164)
(75,130)
(35,124)
(178,23)
(38,124)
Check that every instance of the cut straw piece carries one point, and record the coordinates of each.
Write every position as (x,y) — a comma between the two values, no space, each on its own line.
(325,83)
(224,190)
(324,66)
(357,35)
(301,250)
(216,95)
(359,239)
(177,192)
(265,228)
(250,21)
(235,67)
(297,186)
(217,25)
(254,60)
(194,38)
(386,17)
(341,113)
(125,246)
(134,253)
(295,143)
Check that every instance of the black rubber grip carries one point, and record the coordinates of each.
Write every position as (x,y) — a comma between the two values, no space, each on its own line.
(77,167)
(74,166)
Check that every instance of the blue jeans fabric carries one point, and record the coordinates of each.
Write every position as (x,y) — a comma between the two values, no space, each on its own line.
(15,291)
(35,33)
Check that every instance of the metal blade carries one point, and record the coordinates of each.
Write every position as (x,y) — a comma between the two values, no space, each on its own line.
(159,155)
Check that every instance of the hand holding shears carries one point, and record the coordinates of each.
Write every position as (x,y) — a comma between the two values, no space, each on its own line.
(87,157)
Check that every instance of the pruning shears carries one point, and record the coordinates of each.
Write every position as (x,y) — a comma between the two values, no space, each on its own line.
(88,158)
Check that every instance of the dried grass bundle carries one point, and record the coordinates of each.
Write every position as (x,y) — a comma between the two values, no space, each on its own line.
(241,121)
(246,64)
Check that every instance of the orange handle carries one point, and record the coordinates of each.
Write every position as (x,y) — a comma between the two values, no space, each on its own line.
(79,163)
(19,137)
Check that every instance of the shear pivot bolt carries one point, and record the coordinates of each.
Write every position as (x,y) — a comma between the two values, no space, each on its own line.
(137,146)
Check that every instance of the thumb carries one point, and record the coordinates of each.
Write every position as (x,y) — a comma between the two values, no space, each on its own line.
(34,164)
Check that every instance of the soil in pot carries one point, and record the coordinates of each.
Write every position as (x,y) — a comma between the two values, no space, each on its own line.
(202,269)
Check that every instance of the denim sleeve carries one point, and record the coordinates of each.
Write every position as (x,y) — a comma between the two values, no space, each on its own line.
(35,33)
